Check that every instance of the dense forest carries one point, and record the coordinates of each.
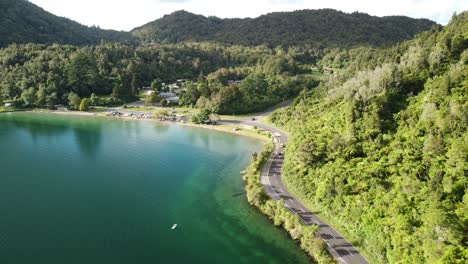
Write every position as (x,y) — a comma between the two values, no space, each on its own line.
(381,149)
(36,75)
(316,28)
(24,22)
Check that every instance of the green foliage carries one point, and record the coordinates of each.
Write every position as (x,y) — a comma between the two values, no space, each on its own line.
(29,96)
(160,113)
(84,105)
(119,70)
(156,84)
(94,100)
(317,28)
(23,22)
(82,74)
(151,99)
(202,117)
(382,151)
(264,85)
(74,100)
(256,195)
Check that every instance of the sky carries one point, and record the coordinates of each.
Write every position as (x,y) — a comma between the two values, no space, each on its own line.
(128,14)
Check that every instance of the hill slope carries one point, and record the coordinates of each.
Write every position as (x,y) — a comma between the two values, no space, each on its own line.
(384,152)
(24,22)
(320,28)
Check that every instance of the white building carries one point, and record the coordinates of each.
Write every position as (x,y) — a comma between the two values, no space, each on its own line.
(174,99)
(167,95)
(148,91)
(173,87)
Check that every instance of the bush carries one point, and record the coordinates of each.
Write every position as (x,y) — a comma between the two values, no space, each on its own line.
(256,195)
(74,100)
(84,105)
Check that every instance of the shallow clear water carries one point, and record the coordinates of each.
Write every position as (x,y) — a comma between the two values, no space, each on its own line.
(99,190)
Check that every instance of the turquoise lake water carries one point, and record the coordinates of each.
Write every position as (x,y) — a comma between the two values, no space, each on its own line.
(100,190)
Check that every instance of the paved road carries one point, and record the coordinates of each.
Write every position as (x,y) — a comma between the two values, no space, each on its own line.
(338,246)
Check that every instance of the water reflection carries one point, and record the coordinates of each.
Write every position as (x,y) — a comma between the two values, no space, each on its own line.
(161,129)
(87,132)
(89,139)
(35,127)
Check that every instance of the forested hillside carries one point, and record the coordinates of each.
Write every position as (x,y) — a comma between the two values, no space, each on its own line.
(42,75)
(317,28)
(382,150)
(24,22)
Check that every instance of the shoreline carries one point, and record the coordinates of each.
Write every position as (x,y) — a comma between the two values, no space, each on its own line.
(315,255)
(220,128)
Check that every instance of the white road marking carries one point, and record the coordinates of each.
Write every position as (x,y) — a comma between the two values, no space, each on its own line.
(314,220)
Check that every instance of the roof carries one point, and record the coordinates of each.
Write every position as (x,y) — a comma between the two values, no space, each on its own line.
(166,95)
(173,99)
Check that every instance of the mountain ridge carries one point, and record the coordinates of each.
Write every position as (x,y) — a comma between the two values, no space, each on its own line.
(301,27)
(24,22)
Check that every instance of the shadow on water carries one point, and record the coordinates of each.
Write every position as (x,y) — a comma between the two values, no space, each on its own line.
(199,139)
(87,133)
(239,194)
(161,129)
(88,140)
(37,128)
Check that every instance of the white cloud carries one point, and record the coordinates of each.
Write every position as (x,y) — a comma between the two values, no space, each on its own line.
(127,14)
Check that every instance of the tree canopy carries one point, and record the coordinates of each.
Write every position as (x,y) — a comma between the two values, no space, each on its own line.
(23,22)
(316,28)
(382,150)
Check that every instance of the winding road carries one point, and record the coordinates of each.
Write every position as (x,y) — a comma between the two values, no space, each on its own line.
(341,249)
(338,246)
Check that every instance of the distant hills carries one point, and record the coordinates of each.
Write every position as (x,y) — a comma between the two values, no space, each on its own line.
(321,28)
(24,22)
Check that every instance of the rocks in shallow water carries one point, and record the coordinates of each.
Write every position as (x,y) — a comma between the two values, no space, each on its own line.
(136,115)
(130,115)
(114,113)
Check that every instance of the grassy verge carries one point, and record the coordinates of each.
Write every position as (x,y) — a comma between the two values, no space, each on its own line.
(329,219)
(236,117)
(171,109)
(6,109)
(98,109)
(306,236)
(239,130)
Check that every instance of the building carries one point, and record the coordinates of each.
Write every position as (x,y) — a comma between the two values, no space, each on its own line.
(173,87)
(148,91)
(173,99)
(167,95)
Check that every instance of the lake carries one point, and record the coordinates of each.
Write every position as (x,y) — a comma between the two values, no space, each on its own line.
(81,189)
